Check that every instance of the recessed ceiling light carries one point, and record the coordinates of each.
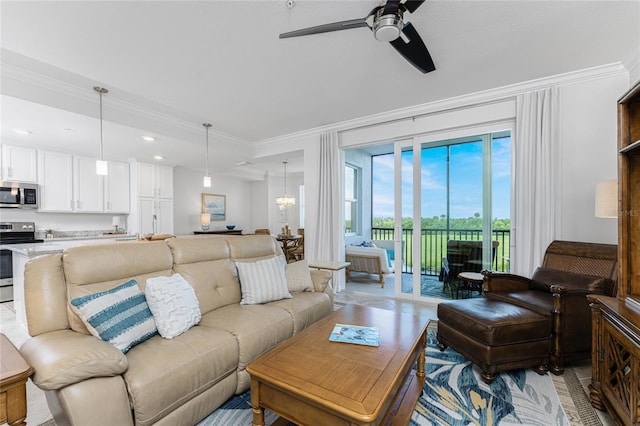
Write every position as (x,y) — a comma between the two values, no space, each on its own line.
(243,163)
(158,157)
(149,138)
(23,132)
(69,129)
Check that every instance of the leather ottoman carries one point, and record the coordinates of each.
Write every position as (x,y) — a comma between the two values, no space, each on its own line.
(495,335)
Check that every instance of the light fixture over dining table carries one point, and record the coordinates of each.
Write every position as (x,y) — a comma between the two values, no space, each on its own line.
(285,201)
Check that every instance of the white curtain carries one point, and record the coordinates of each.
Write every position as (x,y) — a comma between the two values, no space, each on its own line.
(329,232)
(535,178)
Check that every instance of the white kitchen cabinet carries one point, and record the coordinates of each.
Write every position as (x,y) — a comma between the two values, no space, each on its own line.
(155,181)
(88,189)
(164,208)
(155,216)
(19,164)
(70,184)
(116,189)
(55,176)
(152,204)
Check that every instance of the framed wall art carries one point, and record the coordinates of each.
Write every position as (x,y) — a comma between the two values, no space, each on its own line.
(215,205)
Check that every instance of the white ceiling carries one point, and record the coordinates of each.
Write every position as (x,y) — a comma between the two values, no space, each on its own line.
(172,65)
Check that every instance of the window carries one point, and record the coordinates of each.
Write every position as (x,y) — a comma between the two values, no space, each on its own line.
(351,200)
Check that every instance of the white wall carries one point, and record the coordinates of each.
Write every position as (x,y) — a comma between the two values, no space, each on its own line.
(259,205)
(589,155)
(187,199)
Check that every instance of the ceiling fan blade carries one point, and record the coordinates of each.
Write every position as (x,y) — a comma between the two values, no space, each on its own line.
(412,5)
(414,51)
(335,26)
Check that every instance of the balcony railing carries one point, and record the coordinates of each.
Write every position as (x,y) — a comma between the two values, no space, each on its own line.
(434,247)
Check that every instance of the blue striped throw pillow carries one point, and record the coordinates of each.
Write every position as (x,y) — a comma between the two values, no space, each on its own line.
(120,316)
(263,281)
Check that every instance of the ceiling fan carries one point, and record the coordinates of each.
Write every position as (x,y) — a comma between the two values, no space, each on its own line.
(386,22)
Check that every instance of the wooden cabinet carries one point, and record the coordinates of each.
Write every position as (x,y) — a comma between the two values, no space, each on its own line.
(615,382)
(19,164)
(70,184)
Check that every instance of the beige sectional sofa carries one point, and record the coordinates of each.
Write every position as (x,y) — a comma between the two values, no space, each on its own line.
(176,381)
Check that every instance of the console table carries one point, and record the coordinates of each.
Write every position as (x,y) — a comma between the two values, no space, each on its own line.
(221,231)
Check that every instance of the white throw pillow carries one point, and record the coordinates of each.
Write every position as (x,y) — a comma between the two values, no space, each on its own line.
(173,303)
(119,316)
(299,277)
(262,281)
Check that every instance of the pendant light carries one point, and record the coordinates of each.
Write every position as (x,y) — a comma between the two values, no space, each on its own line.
(206,182)
(101,165)
(285,201)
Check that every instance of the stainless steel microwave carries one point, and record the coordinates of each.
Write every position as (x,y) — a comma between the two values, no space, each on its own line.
(17,195)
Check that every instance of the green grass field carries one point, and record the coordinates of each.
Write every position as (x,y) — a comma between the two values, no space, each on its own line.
(434,247)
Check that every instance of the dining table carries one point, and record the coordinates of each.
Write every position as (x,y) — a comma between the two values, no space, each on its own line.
(289,243)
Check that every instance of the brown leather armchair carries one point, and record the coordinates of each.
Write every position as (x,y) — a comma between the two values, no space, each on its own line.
(570,270)
(492,332)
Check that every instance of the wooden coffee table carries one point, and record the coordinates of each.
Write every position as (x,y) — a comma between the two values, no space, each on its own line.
(310,380)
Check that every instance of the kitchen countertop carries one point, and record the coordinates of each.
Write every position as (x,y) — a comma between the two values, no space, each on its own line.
(58,245)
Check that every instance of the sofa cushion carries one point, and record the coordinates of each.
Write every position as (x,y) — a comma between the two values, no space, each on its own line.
(544,278)
(120,316)
(173,304)
(257,329)
(165,374)
(262,281)
(204,262)
(298,276)
(305,308)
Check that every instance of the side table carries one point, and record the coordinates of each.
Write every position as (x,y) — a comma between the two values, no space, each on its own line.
(469,281)
(14,372)
(329,265)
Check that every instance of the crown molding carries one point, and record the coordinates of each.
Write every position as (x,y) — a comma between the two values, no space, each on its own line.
(458,102)
(42,83)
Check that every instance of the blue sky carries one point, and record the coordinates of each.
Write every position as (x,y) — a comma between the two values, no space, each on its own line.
(465,181)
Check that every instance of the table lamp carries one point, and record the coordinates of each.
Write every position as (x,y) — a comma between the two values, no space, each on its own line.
(607,199)
(205,221)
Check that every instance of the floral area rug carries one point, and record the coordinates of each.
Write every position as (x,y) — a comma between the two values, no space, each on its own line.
(453,395)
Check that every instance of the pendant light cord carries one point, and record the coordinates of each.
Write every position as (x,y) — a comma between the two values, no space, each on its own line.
(101,91)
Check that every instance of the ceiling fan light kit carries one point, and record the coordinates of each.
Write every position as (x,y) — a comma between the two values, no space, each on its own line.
(387,25)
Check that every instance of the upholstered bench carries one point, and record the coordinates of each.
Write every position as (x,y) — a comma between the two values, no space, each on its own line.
(495,335)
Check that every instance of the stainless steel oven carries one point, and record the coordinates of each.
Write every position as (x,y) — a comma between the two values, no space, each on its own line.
(12,233)
(17,195)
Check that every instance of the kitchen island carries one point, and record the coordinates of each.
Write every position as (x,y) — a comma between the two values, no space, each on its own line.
(22,253)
